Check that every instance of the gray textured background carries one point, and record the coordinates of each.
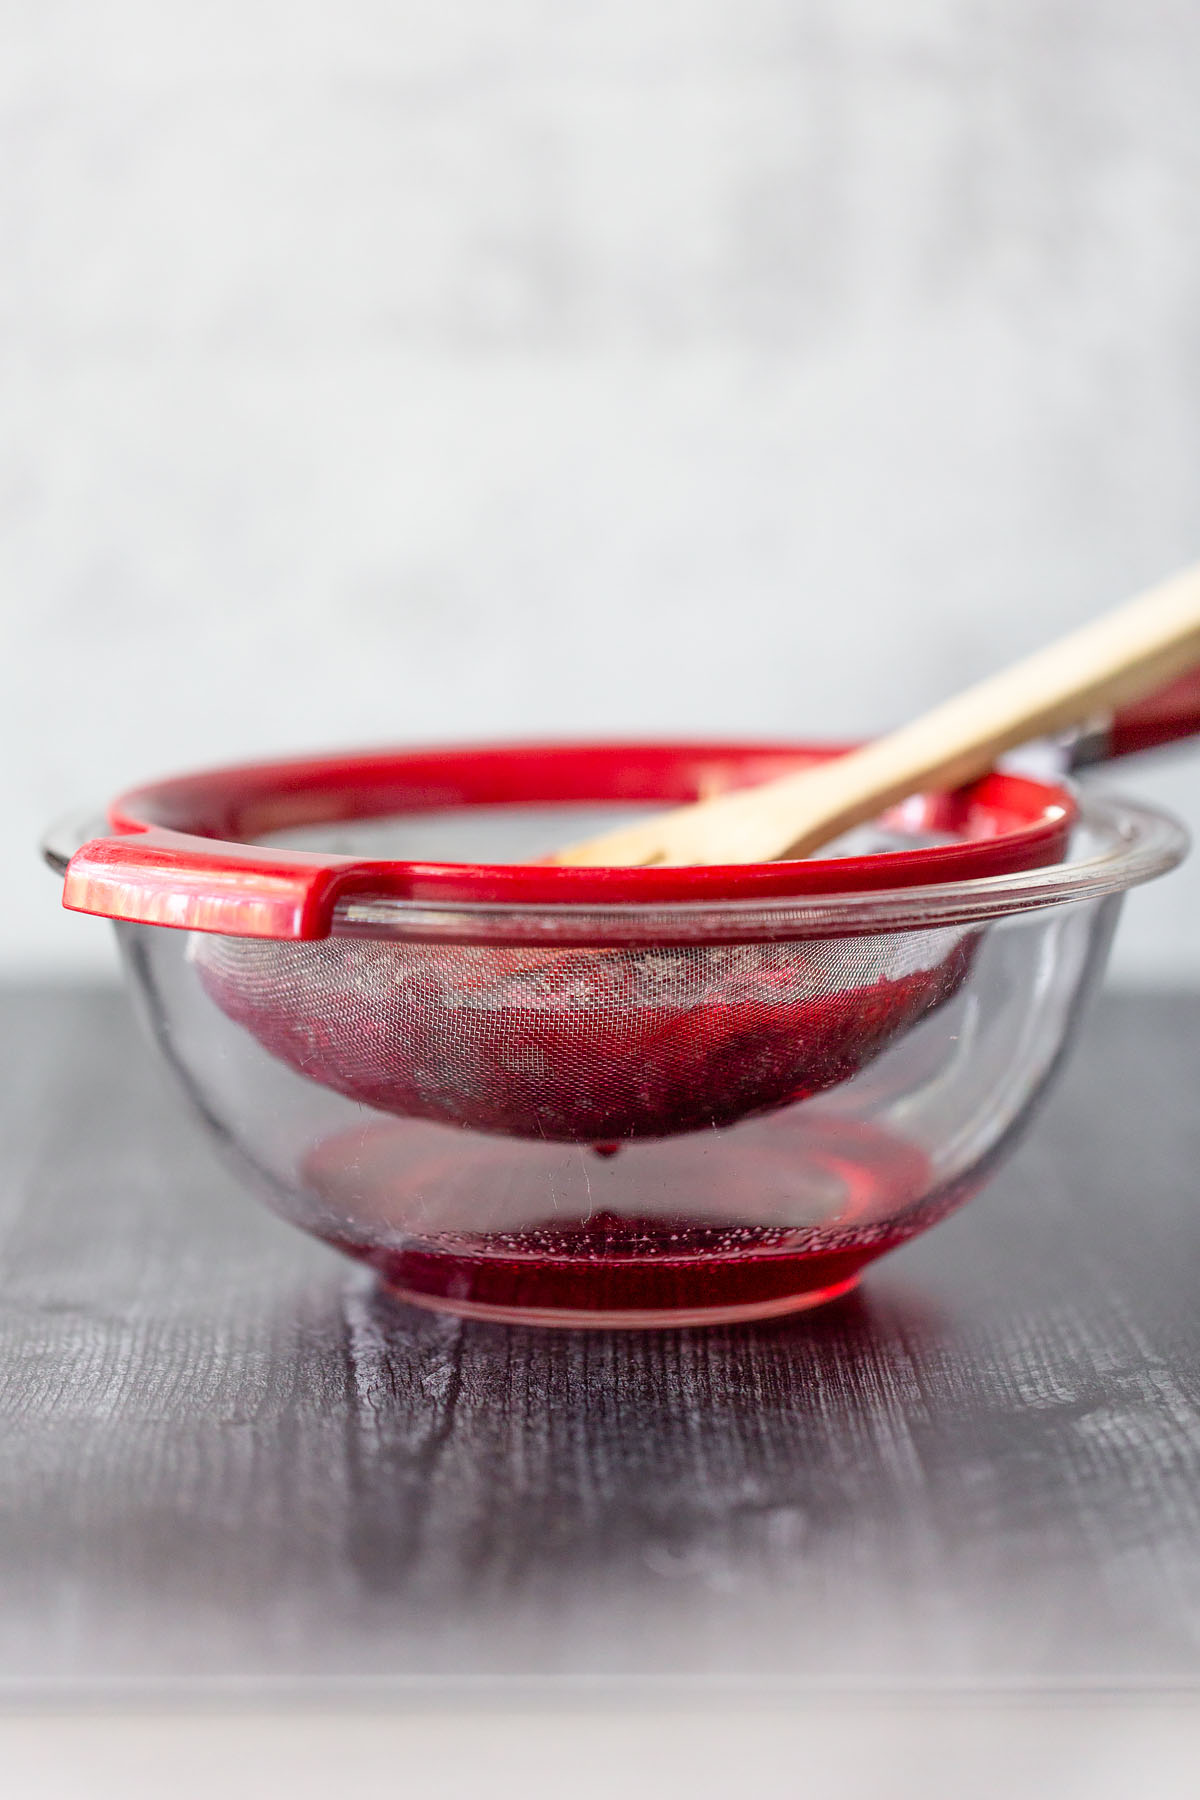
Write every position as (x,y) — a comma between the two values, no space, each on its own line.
(388,370)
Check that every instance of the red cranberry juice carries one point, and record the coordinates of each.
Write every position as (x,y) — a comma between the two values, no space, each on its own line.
(771,1215)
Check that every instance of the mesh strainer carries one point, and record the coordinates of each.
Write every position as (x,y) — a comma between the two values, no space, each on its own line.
(599,1040)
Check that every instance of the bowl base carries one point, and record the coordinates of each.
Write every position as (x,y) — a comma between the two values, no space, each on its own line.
(623,1319)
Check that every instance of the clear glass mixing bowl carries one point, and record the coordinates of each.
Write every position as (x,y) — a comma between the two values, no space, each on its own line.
(642,1115)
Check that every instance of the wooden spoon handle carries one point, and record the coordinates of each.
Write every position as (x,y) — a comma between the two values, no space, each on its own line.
(1107,664)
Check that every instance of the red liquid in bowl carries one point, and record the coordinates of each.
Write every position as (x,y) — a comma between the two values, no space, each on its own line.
(774,1216)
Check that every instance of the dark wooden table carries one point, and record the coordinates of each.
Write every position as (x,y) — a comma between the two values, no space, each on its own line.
(227,1459)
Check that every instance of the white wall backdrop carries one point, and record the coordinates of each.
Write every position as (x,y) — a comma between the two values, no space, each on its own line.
(395,369)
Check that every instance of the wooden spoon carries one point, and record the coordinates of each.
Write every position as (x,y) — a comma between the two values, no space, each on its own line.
(1107,664)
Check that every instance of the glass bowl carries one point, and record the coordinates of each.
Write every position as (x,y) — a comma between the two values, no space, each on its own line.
(638,1113)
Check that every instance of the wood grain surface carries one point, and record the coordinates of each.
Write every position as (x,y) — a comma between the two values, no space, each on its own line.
(225,1458)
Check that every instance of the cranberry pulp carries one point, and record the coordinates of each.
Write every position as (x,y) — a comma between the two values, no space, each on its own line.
(778,1214)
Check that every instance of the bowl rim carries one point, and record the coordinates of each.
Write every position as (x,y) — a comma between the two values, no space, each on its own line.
(1119,844)
(188,851)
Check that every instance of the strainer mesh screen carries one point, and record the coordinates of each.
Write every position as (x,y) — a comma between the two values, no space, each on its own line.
(580,1045)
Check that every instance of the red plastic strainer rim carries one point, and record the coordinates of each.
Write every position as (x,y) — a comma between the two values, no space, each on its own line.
(180,856)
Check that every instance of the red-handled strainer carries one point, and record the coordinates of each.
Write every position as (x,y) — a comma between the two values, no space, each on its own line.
(598,1034)
(592,1035)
